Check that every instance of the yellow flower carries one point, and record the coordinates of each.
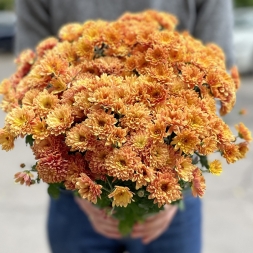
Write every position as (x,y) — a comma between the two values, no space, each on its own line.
(122,196)
(215,167)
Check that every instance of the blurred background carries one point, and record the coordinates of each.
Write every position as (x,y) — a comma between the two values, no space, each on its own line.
(227,204)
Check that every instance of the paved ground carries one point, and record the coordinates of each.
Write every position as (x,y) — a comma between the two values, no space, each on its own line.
(227,205)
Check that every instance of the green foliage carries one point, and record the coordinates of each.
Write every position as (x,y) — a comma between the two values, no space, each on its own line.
(29,140)
(6,4)
(136,211)
(243,3)
(54,190)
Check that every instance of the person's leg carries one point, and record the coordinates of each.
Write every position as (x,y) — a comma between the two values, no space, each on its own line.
(183,235)
(69,230)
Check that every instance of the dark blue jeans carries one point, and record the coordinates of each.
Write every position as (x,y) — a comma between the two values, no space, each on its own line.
(70,231)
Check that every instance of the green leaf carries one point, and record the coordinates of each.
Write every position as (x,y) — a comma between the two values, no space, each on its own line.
(29,140)
(204,161)
(53,190)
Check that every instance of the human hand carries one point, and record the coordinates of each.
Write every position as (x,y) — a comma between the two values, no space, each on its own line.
(155,225)
(100,221)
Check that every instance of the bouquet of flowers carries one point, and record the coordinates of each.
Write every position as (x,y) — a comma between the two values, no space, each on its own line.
(123,113)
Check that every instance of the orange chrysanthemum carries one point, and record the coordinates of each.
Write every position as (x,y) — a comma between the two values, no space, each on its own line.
(164,189)
(52,168)
(244,132)
(122,196)
(126,103)
(185,141)
(184,168)
(121,163)
(76,166)
(100,123)
(6,139)
(243,148)
(39,129)
(198,183)
(136,117)
(230,152)
(88,189)
(19,121)
(45,102)
(80,138)
(143,175)
(59,119)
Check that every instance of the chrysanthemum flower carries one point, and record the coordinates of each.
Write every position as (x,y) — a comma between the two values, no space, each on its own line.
(157,131)
(24,177)
(156,155)
(192,75)
(76,166)
(58,85)
(29,97)
(45,45)
(6,139)
(164,189)
(198,183)
(230,152)
(53,65)
(156,55)
(138,140)
(88,189)
(59,119)
(51,144)
(80,138)
(236,77)
(117,137)
(197,120)
(136,117)
(19,121)
(100,123)
(121,163)
(243,148)
(122,196)
(143,175)
(97,158)
(207,146)
(244,132)
(71,32)
(45,102)
(215,167)
(186,141)
(39,129)
(52,168)
(184,168)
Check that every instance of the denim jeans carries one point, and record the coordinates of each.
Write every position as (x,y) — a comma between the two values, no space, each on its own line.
(69,231)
